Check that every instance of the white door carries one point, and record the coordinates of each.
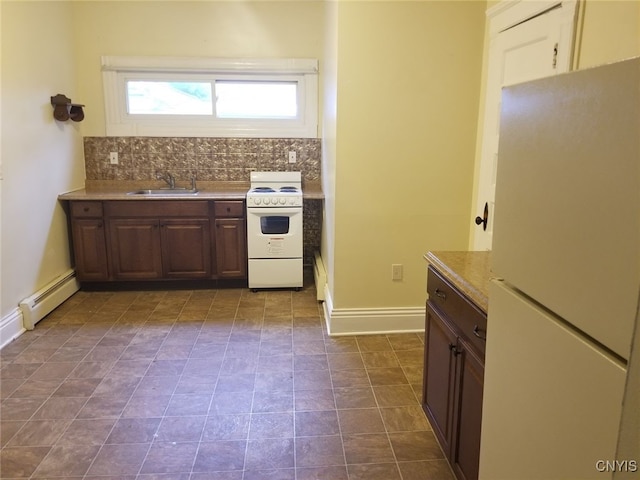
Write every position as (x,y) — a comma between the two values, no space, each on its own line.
(518,52)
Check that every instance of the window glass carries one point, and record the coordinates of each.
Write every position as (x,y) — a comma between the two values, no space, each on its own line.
(169,98)
(256,99)
(212,97)
(274,225)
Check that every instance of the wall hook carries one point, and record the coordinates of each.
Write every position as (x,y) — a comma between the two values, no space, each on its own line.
(64,110)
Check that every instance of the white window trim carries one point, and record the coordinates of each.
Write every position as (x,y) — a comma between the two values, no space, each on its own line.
(116,70)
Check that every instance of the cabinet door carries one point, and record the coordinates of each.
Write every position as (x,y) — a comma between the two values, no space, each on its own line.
(439,375)
(186,248)
(90,249)
(231,247)
(135,249)
(467,407)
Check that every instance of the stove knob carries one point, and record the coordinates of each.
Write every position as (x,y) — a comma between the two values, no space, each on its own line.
(267,201)
(282,201)
(257,201)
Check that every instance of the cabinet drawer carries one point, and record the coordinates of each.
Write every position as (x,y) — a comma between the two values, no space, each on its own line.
(229,208)
(86,209)
(470,321)
(158,208)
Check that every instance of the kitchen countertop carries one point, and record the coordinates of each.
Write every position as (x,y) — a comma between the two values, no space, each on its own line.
(118,189)
(469,271)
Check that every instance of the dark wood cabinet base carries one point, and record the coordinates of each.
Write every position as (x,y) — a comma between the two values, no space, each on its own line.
(159,240)
(163,285)
(455,332)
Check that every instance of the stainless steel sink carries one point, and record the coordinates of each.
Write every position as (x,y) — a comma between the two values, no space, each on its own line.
(165,191)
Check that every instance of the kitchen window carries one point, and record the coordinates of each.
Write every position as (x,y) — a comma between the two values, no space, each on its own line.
(170,96)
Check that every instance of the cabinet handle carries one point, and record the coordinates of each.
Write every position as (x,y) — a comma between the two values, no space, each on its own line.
(478,333)
(454,349)
(85,209)
(441,294)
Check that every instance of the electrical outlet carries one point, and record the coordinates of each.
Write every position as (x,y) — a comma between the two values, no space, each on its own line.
(292,157)
(396,271)
(113,158)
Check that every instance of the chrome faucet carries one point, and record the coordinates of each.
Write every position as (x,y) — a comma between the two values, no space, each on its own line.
(167,177)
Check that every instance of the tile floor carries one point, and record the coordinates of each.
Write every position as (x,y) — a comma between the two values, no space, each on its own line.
(211,384)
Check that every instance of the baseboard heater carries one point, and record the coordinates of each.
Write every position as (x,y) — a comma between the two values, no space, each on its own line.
(45,300)
(319,276)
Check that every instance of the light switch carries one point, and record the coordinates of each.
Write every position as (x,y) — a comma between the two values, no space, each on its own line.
(396,271)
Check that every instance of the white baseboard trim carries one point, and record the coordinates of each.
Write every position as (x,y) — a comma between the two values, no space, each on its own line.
(51,296)
(11,327)
(370,321)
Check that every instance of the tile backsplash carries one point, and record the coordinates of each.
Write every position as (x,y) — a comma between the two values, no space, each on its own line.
(209,159)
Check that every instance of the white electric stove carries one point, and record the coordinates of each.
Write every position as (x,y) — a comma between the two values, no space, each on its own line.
(274,230)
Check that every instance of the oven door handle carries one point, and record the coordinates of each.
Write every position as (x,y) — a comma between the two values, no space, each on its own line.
(282,211)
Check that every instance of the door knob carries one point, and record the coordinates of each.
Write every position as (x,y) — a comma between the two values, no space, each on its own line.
(485,216)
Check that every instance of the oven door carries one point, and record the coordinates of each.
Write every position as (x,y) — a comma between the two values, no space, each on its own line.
(274,232)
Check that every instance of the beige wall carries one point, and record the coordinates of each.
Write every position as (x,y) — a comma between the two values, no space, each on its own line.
(40,157)
(407,102)
(183,28)
(329,78)
(610,31)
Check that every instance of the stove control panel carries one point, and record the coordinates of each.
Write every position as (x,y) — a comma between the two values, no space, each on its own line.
(274,201)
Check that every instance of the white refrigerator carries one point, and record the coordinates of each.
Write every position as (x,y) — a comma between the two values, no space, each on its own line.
(566,257)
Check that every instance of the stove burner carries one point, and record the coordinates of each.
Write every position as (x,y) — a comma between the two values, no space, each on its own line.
(288,189)
(264,189)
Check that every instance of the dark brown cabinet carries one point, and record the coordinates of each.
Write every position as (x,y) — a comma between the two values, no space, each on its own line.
(159,240)
(231,249)
(231,253)
(186,248)
(89,241)
(467,411)
(440,372)
(135,249)
(455,332)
